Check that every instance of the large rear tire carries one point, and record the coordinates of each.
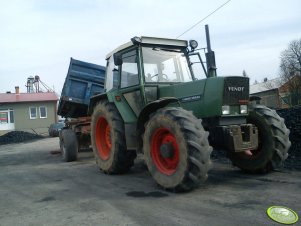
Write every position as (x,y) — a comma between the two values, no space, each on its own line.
(108,140)
(273,142)
(68,145)
(176,149)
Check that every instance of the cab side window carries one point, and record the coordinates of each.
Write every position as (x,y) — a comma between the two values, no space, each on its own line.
(129,69)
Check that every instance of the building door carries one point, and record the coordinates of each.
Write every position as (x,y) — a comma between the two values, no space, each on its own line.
(7,121)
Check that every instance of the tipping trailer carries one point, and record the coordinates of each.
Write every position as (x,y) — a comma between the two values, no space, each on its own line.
(83,80)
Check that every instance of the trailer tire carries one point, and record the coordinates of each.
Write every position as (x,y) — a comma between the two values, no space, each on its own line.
(273,142)
(108,140)
(69,146)
(186,161)
(61,140)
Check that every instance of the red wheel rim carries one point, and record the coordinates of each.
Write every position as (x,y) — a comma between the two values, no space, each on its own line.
(166,165)
(103,138)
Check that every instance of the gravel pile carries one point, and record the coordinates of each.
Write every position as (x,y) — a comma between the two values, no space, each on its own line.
(292,117)
(17,137)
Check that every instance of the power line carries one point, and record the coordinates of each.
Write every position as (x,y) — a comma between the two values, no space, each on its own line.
(204,18)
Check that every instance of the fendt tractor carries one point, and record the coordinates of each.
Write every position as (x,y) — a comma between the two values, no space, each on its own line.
(152,103)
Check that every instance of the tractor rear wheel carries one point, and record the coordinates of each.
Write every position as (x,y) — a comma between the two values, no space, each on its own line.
(68,145)
(176,149)
(273,143)
(108,140)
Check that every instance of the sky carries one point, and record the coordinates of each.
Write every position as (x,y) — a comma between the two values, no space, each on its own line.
(38,37)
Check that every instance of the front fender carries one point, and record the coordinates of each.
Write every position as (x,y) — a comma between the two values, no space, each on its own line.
(154,106)
(147,110)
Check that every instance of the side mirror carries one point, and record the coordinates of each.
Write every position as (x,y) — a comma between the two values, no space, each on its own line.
(115,78)
(117,59)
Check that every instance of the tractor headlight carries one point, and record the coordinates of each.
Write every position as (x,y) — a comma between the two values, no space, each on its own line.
(226,110)
(193,44)
(243,109)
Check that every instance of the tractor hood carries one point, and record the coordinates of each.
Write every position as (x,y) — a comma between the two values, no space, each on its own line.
(206,97)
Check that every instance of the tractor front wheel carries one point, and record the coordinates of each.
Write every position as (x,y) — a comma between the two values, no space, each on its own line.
(176,149)
(108,140)
(273,143)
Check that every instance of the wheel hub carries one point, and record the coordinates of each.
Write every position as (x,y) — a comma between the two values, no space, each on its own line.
(167,150)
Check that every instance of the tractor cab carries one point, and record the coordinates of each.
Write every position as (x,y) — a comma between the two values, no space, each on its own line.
(138,71)
(150,60)
(143,65)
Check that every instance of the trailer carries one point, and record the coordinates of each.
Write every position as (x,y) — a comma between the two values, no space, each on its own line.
(83,80)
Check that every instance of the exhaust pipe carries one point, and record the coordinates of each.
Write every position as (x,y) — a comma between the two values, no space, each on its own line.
(210,56)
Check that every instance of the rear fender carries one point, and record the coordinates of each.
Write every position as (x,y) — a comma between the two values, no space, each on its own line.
(94,100)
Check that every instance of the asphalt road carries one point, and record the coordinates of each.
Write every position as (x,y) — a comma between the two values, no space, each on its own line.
(37,188)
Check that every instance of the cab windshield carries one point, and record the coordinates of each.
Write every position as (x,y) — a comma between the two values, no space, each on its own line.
(165,65)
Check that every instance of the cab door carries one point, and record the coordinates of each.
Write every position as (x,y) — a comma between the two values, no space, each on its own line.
(128,98)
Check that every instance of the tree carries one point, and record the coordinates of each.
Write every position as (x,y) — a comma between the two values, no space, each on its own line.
(290,71)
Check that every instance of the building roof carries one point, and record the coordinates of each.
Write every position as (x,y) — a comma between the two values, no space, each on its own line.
(27,97)
(265,86)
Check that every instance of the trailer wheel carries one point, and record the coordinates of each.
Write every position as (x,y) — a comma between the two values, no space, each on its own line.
(61,140)
(68,144)
(108,140)
(176,149)
(273,142)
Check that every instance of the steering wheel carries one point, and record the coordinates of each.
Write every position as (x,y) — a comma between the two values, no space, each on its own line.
(164,76)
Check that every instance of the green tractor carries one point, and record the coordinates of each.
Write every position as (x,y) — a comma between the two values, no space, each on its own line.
(153,104)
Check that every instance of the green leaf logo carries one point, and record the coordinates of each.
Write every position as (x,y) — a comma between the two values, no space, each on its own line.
(282,214)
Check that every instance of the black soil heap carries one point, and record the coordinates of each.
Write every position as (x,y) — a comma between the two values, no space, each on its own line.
(17,137)
(292,117)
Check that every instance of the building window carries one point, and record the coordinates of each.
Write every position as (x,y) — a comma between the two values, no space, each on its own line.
(3,117)
(11,115)
(33,112)
(43,112)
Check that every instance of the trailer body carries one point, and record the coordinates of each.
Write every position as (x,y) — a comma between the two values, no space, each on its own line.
(83,80)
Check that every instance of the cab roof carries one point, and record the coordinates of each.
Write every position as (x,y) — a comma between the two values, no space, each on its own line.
(151,41)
